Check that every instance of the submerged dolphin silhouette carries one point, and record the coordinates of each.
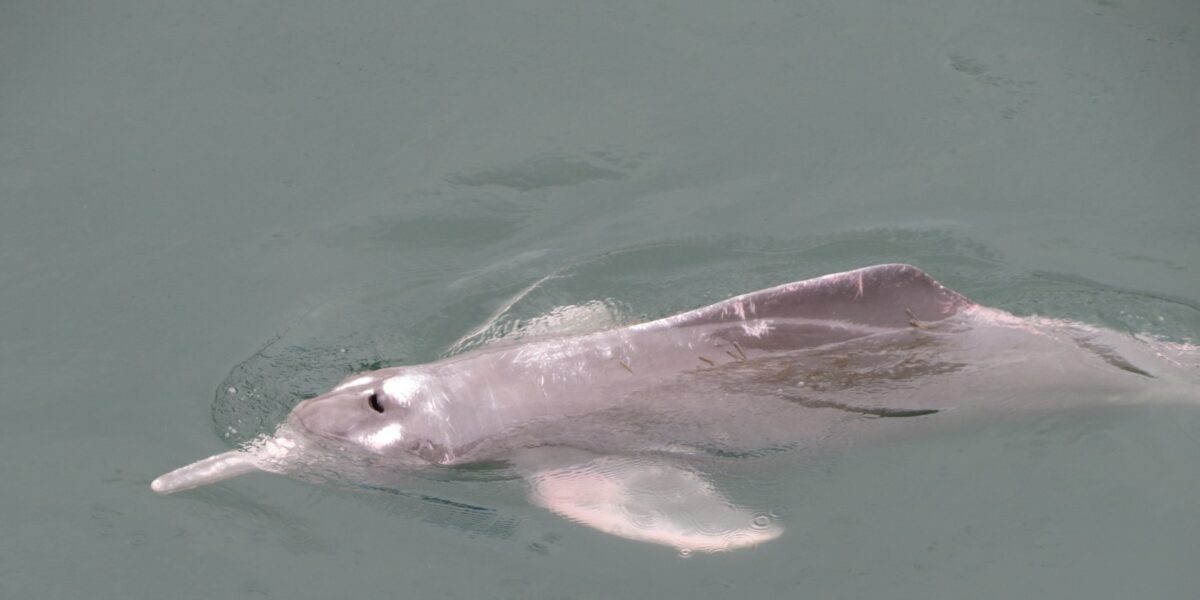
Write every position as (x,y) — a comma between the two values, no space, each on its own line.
(602,425)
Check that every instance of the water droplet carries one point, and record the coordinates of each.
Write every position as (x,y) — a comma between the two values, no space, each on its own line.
(685,552)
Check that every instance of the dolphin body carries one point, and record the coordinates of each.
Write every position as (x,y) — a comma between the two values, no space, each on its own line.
(603,425)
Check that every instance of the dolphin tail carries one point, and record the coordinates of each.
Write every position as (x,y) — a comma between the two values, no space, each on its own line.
(218,467)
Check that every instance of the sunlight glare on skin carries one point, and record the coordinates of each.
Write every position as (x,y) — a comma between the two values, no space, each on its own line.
(403,388)
(353,382)
(384,437)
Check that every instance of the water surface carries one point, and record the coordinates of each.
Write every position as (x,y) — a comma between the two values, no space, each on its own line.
(189,189)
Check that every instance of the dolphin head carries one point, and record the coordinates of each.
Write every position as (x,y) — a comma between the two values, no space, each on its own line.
(393,417)
(395,413)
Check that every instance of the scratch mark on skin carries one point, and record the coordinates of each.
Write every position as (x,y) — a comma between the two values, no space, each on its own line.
(710,363)
(859,294)
(625,366)
(739,350)
(734,356)
(866,411)
(740,309)
(912,319)
(758,329)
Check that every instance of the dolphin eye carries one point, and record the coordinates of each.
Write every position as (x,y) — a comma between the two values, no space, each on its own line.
(373,402)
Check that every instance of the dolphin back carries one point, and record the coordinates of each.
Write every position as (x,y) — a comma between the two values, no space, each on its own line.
(888,296)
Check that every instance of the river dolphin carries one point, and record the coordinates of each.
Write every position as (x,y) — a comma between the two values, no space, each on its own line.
(604,425)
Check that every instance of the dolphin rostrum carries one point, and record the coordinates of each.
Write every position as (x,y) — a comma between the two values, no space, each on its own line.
(602,425)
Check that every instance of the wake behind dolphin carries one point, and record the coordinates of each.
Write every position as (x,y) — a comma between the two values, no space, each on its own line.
(603,426)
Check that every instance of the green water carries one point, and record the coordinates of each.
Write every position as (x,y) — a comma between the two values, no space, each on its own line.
(188,187)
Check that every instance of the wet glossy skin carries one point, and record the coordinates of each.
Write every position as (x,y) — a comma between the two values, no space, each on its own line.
(445,412)
(612,429)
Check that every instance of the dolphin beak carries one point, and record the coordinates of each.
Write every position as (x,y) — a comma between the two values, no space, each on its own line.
(215,468)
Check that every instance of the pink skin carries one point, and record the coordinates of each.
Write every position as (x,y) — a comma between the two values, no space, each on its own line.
(795,362)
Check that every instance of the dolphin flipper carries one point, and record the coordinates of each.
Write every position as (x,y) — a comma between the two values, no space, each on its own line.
(648,500)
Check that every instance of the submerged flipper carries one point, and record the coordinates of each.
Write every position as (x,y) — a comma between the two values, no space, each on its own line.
(649,500)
